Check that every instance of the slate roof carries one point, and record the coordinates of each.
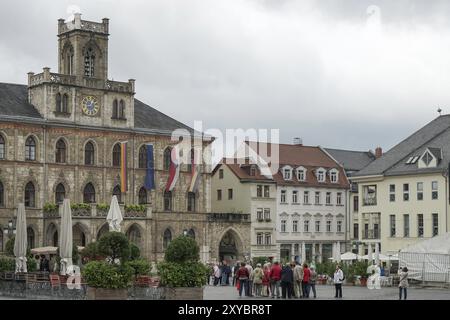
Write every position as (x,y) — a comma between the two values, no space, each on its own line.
(14,103)
(351,160)
(435,134)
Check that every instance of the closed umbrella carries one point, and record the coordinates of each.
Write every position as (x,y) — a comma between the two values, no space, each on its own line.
(114,217)
(338,252)
(369,254)
(303,252)
(377,254)
(66,239)
(20,242)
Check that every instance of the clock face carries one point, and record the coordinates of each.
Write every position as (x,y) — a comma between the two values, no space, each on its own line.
(90,106)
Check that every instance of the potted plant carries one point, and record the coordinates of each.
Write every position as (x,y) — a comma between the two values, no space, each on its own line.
(181,270)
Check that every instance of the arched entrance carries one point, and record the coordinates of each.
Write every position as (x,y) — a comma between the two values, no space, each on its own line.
(230,247)
(134,236)
(52,236)
(79,237)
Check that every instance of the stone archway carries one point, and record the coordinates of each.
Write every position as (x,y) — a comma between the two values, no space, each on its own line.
(79,235)
(51,236)
(104,229)
(134,235)
(230,247)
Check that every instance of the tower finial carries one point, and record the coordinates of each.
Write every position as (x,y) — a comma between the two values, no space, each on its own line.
(439,110)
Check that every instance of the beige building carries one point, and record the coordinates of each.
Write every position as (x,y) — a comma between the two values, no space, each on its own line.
(60,137)
(403,195)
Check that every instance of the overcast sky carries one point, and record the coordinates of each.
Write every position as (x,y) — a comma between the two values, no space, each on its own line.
(349,74)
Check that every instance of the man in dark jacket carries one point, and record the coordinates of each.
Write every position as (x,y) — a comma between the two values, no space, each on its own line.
(45,264)
(287,281)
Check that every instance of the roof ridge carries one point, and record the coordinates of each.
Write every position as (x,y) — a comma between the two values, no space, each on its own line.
(346,150)
(14,84)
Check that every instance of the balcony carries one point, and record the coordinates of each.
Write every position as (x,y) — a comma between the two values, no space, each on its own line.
(370,201)
(228,217)
(371,234)
(82,210)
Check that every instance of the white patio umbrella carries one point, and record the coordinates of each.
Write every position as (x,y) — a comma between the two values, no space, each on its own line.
(377,254)
(348,256)
(369,254)
(20,242)
(114,217)
(66,238)
(338,252)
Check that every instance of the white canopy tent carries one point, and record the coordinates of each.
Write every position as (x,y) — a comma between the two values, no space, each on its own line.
(428,260)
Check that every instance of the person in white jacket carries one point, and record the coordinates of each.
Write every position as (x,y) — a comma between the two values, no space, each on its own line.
(338,278)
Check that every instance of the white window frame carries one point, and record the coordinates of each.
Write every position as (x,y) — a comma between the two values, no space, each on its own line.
(320,175)
(329,227)
(334,176)
(301,174)
(295,196)
(317,226)
(339,198)
(294,225)
(283,195)
(283,226)
(306,225)
(339,224)
(287,173)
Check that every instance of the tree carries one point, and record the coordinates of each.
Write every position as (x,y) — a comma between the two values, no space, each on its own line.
(114,245)
(183,249)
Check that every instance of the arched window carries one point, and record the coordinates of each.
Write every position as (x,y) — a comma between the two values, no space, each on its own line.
(30,149)
(79,238)
(167,158)
(134,235)
(191,233)
(2,195)
(191,159)
(30,195)
(2,148)
(58,107)
(65,104)
(30,238)
(89,152)
(191,202)
(115,109)
(122,109)
(143,157)
(89,63)
(142,196)
(168,201)
(89,193)
(60,193)
(69,61)
(118,193)
(60,155)
(167,238)
(116,155)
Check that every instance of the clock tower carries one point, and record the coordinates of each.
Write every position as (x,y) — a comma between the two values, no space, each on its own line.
(80,92)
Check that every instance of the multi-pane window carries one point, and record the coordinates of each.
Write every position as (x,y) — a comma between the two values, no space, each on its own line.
(339,226)
(317,197)
(355,204)
(434,190)
(306,226)
(355,230)
(259,239)
(328,198)
(259,191)
(121,114)
(406,225)
(376,231)
(2,195)
(259,214)
(406,192)
(221,174)
(219,194)
(2,148)
(167,238)
(60,193)
(167,159)
(168,201)
(116,155)
(321,176)
(266,191)
(253,171)
(267,214)
(89,193)
(435,230)
(339,198)
(370,195)
(230,194)
(89,63)
(283,196)
(366,231)
(294,196)
(283,225)
(301,175)
(295,226)
(268,239)
(392,192)
(143,157)
(333,176)
(30,195)
(306,197)
(420,225)
(191,202)
(287,174)
(419,191)
(65,104)
(58,101)
(317,225)
(60,153)
(142,196)
(328,226)
(30,149)
(392,225)
(89,154)
(115,109)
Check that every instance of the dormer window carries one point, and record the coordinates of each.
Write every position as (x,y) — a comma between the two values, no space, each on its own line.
(430,158)
(334,176)
(252,171)
(287,173)
(427,158)
(320,175)
(301,174)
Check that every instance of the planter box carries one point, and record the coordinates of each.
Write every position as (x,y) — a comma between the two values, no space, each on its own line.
(184,293)
(106,294)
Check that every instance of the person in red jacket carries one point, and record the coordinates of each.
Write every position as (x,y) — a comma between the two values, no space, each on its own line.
(243,276)
(266,280)
(275,279)
(306,277)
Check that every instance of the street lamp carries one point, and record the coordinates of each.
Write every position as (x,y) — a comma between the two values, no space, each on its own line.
(10,229)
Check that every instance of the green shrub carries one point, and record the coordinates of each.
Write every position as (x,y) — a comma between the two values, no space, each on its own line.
(50,207)
(102,207)
(103,275)
(91,252)
(31,263)
(7,264)
(182,249)
(9,246)
(141,267)
(79,206)
(135,252)
(135,208)
(192,274)
(114,245)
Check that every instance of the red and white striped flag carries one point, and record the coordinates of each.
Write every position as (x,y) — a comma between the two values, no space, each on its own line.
(174,169)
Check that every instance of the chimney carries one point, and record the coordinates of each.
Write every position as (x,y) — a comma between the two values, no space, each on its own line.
(298,142)
(378,152)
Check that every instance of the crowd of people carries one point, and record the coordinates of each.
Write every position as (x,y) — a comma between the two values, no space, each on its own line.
(288,281)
